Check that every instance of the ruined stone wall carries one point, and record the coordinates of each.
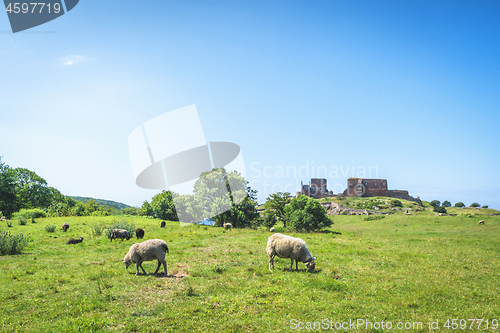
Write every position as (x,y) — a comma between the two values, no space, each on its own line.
(359,187)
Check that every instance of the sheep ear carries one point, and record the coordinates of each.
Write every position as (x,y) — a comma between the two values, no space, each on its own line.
(314,258)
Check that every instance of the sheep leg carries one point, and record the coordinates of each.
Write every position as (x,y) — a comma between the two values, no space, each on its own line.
(140,265)
(296,265)
(291,265)
(271,263)
(164,265)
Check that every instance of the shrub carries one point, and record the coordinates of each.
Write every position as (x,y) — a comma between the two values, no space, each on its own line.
(97,228)
(306,214)
(22,220)
(485,206)
(130,227)
(475,204)
(446,203)
(269,219)
(440,209)
(50,228)
(374,217)
(460,204)
(468,215)
(396,203)
(12,244)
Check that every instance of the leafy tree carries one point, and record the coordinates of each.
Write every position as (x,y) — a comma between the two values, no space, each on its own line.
(439,209)
(276,203)
(485,206)
(146,209)
(8,198)
(269,219)
(446,203)
(396,203)
(459,204)
(163,206)
(306,214)
(435,203)
(223,196)
(475,204)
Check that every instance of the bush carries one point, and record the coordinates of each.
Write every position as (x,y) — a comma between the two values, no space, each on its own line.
(460,204)
(475,204)
(374,218)
(130,227)
(269,219)
(440,209)
(396,203)
(306,214)
(446,203)
(50,228)
(97,228)
(22,220)
(485,206)
(468,215)
(12,244)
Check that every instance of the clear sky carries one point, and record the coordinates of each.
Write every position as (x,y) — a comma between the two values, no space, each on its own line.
(403,90)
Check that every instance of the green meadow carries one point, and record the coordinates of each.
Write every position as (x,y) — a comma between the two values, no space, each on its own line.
(402,269)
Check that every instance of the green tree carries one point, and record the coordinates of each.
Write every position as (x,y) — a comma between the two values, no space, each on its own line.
(8,198)
(446,203)
(435,203)
(485,206)
(459,204)
(163,206)
(439,209)
(475,204)
(306,214)
(146,209)
(276,203)
(223,196)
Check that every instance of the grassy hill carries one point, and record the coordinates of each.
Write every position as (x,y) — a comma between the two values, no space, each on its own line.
(107,203)
(402,268)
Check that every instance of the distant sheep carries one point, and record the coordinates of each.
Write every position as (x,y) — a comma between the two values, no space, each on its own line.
(75,241)
(147,251)
(481,222)
(289,247)
(163,223)
(65,227)
(139,233)
(272,229)
(120,233)
(3,218)
(227,226)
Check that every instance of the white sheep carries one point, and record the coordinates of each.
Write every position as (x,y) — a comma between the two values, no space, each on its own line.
(272,229)
(227,226)
(289,247)
(481,222)
(119,233)
(147,251)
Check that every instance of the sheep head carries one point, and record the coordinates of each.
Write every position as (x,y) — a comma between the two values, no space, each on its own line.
(311,265)
(127,262)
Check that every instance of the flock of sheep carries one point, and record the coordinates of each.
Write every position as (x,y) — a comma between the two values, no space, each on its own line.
(278,245)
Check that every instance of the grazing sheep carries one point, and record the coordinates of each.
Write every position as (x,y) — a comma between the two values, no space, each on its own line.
(272,229)
(3,218)
(163,223)
(120,233)
(65,227)
(481,222)
(75,241)
(227,226)
(139,233)
(147,251)
(289,247)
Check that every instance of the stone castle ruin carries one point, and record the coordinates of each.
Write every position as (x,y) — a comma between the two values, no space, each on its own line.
(356,187)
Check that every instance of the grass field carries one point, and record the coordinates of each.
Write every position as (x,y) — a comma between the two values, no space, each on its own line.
(400,269)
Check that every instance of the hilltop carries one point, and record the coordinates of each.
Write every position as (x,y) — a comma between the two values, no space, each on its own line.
(107,203)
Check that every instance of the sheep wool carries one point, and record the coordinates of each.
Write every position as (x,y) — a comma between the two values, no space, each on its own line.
(120,233)
(285,246)
(152,249)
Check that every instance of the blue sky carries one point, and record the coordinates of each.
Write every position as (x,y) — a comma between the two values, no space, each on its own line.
(406,90)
